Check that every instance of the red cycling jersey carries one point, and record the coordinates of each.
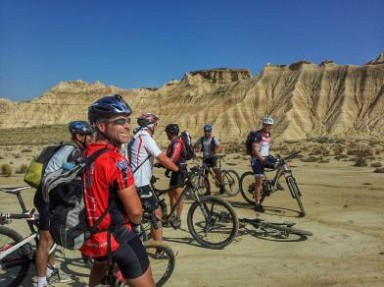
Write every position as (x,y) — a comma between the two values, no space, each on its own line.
(175,151)
(110,173)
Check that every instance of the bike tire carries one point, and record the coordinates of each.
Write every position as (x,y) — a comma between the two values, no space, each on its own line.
(14,267)
(231,181)
(162,267)
(287,229)
(294,188)
(247,186)
(212,222)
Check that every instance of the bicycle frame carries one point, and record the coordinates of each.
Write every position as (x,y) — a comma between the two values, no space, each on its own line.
(187,184)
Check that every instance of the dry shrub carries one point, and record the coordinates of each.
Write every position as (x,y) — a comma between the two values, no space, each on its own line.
(22,169)
(341,156)
(379,170)
(6,170)
(309,159)
(16,155)
(26,150)
(376,164)
(361,159)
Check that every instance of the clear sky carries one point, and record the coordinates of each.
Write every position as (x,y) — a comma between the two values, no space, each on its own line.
(146,43)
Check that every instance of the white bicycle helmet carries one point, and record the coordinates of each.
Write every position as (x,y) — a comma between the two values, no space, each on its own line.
(268,120)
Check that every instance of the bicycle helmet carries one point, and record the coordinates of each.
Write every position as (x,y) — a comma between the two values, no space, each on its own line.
(207,128)
(172,129)
(81,127)
(147,119)
(108,107)
(268,120)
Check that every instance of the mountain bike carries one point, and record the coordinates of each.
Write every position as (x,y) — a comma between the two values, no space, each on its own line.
(17,252)
(211,221)
(247,183)
(230,178)
(280,230)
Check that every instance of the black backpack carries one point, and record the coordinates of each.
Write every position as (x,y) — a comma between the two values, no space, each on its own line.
(63,191)
(252,136)
(189,153)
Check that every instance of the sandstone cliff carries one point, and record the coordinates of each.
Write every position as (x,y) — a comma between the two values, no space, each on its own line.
(307,100)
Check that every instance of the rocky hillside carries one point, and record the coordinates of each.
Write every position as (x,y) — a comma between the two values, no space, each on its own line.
(307,100)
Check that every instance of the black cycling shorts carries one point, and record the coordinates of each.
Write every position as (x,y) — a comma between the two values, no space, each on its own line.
(258,167)
(131,256)
(148,198)
(211,162)
(176,179)
(43,210)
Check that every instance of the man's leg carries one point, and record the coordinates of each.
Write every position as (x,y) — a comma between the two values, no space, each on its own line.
(45,242)
(157,231)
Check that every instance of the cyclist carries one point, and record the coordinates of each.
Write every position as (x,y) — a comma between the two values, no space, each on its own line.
(176,152)
(109,185)
(81,136)
(210,146)
(143,150)
(261,158)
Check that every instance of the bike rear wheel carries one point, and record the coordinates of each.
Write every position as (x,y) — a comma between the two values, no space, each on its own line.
(288,230)
(295,192)
(231,181)
(247,186)
(162,261)
(212,222)
(13,267)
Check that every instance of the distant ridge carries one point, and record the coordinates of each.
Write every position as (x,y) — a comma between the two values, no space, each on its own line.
(307,100)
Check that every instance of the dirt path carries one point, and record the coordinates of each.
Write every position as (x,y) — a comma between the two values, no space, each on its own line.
(345,211)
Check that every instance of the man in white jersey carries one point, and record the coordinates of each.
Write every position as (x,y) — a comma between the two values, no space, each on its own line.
(142,152)
(260,158)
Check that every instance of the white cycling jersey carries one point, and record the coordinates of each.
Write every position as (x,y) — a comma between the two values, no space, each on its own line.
(141,147)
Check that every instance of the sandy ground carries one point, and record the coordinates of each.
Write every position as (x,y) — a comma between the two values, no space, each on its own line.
(345,212)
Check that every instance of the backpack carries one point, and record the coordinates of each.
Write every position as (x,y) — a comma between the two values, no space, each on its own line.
(63,191)
(36,168)
(187,140)
(248,142)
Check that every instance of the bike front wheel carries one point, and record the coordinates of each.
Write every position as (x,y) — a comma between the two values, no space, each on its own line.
(247,186)
(296,194)
(231,181)
(212,222)
(13,267)
(162,261)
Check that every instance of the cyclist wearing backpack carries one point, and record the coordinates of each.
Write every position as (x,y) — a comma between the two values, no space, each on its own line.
(260,158)
(176,152)
(143,150)
(109,185)
(210,146)
(81,136)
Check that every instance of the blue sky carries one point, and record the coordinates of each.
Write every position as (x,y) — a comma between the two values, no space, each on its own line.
(146,43)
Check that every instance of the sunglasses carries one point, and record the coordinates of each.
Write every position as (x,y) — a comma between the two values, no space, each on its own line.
(120,121)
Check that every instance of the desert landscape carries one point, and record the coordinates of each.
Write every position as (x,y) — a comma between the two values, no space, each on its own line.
(344,205)
(332,113)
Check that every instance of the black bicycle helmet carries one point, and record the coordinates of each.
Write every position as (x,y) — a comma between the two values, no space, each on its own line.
(81,127)
(172,129)
(207,128)
(108,107)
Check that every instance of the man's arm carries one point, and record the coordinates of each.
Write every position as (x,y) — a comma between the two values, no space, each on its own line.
(166,162)
(131,203)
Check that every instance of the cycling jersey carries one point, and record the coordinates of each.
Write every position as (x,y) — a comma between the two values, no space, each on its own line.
(141,147)
(264,141)
(208,146)
(175,151)
(110,173)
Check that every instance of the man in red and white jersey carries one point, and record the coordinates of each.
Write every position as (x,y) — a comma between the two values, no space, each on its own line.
(142,152)
(109,186)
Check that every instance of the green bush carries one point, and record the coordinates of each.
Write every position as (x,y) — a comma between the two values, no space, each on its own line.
(6,170)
